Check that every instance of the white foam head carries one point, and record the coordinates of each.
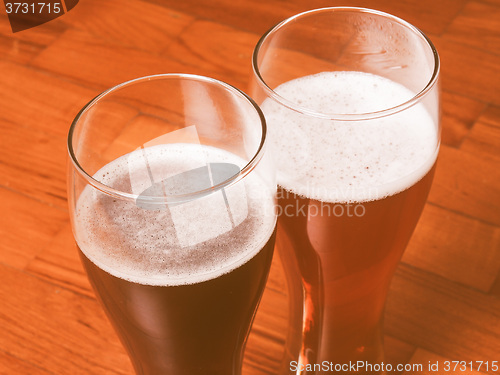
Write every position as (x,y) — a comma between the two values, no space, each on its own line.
(182,244)
(349,161)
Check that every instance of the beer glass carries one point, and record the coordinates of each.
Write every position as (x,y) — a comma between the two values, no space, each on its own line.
(172,203)
(351,99)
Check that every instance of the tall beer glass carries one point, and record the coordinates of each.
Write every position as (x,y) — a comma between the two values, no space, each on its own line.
(351,100)
(172,201)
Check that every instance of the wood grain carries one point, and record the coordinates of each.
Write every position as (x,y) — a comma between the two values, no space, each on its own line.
(444,302)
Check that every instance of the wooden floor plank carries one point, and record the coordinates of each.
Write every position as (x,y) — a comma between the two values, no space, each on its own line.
(38,169)
(469,71)
(495,289)
(255,16)
(467,183)
(489,2)
(459,113)
(61,332)
(58,263)
(442,317)
(92,60)
(456,247)
(138,25)
(40,36)
(12,365)
(258,16)
(484,137)
(477,26)
(397,352)
(26,227)
(226,54)
(32,98)
(16,50)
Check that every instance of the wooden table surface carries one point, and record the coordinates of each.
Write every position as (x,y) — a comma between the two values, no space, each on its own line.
(444,302)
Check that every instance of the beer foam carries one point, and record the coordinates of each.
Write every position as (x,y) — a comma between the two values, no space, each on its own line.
(183,243)
(349,161)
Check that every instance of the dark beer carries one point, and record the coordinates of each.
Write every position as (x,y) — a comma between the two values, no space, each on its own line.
(350,195)
(180,284)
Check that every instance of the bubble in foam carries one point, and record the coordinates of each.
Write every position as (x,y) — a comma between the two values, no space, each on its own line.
(183,244)
(349,161)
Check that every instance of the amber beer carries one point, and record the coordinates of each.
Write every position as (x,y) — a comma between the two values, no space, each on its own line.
(347,263)
(180,284)
(350,195)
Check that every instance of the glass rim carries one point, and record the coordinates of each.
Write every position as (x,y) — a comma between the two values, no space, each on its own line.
(170,198)
(346,116)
